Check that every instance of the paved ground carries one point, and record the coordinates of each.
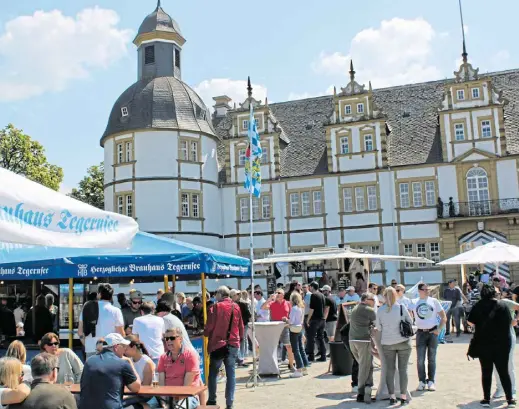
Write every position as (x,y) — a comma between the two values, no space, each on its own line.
(458,386)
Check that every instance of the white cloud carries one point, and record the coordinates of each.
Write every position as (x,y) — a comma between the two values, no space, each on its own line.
(234,89)
(397,52)
(47,50)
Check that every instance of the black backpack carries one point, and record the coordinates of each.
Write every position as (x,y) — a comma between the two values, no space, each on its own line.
(90,317)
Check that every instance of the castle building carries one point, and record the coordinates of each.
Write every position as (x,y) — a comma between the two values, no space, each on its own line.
(426,169)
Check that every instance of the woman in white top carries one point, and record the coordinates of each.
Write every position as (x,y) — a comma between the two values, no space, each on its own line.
(394,345)
(143,365)
(12,389)
(17,350)
(295,325)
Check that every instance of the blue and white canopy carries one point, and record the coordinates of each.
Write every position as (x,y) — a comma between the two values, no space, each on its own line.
(148,256)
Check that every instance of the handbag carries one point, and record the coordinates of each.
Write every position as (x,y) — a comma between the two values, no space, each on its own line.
(296,329)
(406,329)
(223,352)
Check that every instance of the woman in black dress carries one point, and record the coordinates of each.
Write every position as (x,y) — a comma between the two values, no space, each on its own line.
(492,321)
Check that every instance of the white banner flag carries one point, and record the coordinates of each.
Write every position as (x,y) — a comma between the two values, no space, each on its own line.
(33,214)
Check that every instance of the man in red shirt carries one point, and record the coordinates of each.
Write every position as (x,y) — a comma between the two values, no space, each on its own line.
(223,332)
(279,309)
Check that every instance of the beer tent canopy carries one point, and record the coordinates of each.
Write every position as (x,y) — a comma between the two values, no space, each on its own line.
(148,256)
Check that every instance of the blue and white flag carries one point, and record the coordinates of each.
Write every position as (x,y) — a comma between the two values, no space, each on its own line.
(253,162)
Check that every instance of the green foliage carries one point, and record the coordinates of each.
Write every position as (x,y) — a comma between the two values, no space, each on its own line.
(24,156)
(91,188)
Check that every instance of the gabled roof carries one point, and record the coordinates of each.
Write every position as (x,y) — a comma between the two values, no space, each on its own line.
(412,117)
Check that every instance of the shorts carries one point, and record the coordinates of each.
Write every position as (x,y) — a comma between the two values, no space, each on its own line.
(284,338)
(330,328)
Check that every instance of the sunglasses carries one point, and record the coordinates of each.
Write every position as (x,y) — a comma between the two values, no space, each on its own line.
(136,302)
(398,290)
(424,289)
(170,338)
(53,344)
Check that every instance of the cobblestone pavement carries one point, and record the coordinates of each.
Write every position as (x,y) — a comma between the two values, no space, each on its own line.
(458,386)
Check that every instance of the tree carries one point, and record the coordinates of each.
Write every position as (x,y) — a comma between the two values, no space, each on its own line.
(91,187)
(24,156)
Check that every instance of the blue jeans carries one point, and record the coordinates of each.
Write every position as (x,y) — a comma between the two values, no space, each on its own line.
(230,368)
(426,343)
(296,340)
(244,347)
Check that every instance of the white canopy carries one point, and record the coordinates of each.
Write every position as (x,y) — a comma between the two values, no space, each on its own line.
(33,214)
(335,254)
(494,252)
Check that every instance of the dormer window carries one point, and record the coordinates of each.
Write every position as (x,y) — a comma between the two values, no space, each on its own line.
(461,94)
(124,111)
(347,110)
(149,55)
(475,93)
(368,143)
(459,132)
(360,108)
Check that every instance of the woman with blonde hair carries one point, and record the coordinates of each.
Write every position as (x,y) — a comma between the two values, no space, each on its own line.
(295,326)
(12,389)
(17,350)
(394,345)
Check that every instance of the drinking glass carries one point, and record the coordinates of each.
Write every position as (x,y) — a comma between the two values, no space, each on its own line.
(155,381)
(68,381)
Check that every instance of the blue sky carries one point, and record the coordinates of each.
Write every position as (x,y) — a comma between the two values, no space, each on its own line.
(64,63)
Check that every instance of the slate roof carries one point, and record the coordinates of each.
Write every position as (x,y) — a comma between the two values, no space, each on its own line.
(159,103)
(159,20)
(412,117)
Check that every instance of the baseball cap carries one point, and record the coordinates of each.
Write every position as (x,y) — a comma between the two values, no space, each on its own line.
(115,339)
(135,295)
(326,288)
(350,288)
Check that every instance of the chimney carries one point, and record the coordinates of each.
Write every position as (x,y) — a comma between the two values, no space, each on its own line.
(221,105)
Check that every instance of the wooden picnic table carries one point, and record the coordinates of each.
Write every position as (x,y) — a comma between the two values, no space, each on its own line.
(173,393)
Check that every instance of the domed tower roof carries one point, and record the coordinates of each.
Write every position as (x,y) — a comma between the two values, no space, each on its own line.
(159,103)
(159,20)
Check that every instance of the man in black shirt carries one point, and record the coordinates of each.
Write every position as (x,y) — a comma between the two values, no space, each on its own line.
(316,323)
(330,312)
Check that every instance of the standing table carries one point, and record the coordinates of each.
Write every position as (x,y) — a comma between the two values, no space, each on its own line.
(267,335)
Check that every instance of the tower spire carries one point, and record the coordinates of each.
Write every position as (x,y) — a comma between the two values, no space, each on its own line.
(158,4)
(249,87)
(352,71)
(464,54)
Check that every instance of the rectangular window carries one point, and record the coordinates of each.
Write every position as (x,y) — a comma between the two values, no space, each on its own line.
(128,151)
(245,124)
(372,198)
(177,58)
(475,93)
(149,54)
(421,251)
(345,145)
(317,202)
(120,154)
(417,194)
(375,249)
(434,252)
(360,108)
(408,251)
(194,151)
(461,94)
(347,109)
(360,204)
(183,150)
(242,157)
(265,207)
(294,204)
(404,195)
(255,208)
(486,129)
(195,205)
(305,203)
(265,156)
(185,204)
(347,198)
(368,143)
(430,193)
(459,132)
(244,209)
(120,205)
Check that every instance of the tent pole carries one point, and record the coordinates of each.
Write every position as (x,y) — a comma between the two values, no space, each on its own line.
(33,312)
(70,312)
(173,283)
(204,309)
(166,283)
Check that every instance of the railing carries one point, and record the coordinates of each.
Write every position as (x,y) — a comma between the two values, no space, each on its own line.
(478,208)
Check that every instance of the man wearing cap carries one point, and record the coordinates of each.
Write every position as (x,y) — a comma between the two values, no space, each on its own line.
(106,374)
(129,314)
(453,294)
(351,295)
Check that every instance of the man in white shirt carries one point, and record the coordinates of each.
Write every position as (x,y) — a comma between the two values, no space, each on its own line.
(259,300)
(373,289)
(109,320)
(163,310)
(150,329)
(426,311)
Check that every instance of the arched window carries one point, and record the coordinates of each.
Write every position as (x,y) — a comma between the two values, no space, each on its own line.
(477,192)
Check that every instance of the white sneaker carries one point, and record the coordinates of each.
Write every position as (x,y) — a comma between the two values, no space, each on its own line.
(431,386)
(498,394)
(355,389)
(421,386)
(285,362)
(296,374)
